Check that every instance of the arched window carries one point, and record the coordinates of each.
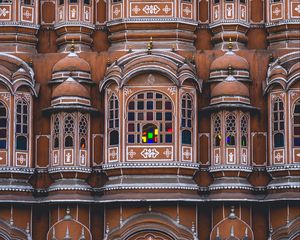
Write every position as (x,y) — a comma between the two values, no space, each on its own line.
(69,131)
(296,122)
(56,132)
(186,119)
(3,126)
(217,131)
(83,132)
(113,120)
(150,108)
(244,131)
(278,123)
(22,116)
(230,130)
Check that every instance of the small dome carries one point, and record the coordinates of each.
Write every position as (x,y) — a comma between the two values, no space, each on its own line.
(230,87)
(229,58)
(70,87)
(72,62)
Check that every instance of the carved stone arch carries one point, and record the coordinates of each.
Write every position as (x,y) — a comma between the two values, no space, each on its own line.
(16,73)
(11,232)
(151,222)
(290,231)
(171,65)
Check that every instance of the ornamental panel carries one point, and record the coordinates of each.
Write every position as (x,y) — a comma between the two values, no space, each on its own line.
(117,11)
(276,11)
(82,157)
(217,156)
(296,155)
(151,9)
(5,13)
(216,13)
(187,154)
(295,9)
(3,158)
(73,13)
(68,157)
(230,156)
(27,14)
(60,14)
(113,154)
(243,12)
(87,14)
(244,156)
(278,156)
(55,157)
(187,10)
(149,153)
(229,11)
(21,159)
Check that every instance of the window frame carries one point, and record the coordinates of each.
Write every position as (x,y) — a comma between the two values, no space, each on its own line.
(280,129)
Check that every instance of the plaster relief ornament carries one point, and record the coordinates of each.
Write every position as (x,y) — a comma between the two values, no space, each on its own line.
(277,11)
(82,159)
(278,157)
(116,11)
(131,153)
(187,154)
(27,14)
(168,153)
(151,9)
(3,12)
(217,157)
(136,9)
(297,9)
(166,9)
(187,10)
(151,79)
(229,11)
(149,153)
(113,154)
(172,90)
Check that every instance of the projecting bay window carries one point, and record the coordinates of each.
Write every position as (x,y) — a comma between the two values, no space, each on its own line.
(230,138)
(150,119)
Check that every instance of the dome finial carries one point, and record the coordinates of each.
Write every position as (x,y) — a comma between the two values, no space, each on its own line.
(72,48)
(230,44)
(230,69)
(232,213)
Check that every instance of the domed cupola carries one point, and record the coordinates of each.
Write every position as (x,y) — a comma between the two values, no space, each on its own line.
(239,66)
(71,64)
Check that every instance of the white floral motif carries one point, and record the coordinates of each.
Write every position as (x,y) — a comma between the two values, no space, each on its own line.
(277,11)
(278,157)
(166,9)
(187,154)
(187,10)
(297,9)
(136,9)
(3,12)
(151,9)
(127,91)
(131,153)
(113,154)
(168,153)
(217,157)
(116,11)
(149,153)
(27,14)
(172,90)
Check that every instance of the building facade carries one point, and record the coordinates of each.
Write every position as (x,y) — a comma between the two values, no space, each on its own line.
(149,120)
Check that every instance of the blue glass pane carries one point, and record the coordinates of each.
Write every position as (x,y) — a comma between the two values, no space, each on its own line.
(168,116)
(2,144)
(131,116)
(149,105)
(130,138)
(297,142)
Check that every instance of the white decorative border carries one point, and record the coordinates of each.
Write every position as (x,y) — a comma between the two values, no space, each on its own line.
(146,147)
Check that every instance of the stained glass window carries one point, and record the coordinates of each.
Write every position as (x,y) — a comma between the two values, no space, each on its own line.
(150,118)
(230,130)
(296,121)
(186,119)
(22,125)
(217,131)
(244,131)
(113,120)
(69,126)
(56,131)
(3,126)
(278,123)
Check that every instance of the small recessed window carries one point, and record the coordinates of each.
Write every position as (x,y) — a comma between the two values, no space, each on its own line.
(116,1)
(243,1)
(87,2)
(73,1)
(61,2)
(216,1)
(28,2)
